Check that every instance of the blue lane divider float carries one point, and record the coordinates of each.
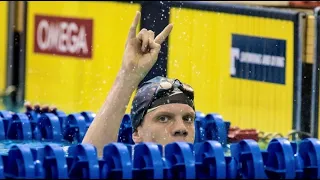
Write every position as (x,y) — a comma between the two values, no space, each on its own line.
(180,160)
(309,151)
(204,159)
(74,127)
(299,167)
(125,130)
(232,167)
(85,164)
(62,116)
(147,161)
(117,161)
(49,126)
(33,115)
(200,115)
(2,129)
(45,125)
(33,118)
(54,162)
(250,161)
(57,118)
(40,163)
(215,129)
(227,125)
(88,117)
(20,163)
(19,127)
(2,166)
(6,118)
(210,161)
(38,154)
(281,161)
(199,127)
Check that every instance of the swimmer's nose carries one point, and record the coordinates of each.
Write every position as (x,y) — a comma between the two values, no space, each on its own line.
(183,133)
(180,129)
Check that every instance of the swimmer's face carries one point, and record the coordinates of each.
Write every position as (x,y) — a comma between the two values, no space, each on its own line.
(167,123)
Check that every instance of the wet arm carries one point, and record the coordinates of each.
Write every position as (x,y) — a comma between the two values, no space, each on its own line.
(104,128)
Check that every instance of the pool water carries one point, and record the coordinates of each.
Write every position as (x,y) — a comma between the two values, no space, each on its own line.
(6,144)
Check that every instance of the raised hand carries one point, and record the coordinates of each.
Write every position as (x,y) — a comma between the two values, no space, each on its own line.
(142,49)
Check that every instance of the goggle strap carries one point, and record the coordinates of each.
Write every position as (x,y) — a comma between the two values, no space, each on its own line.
(176,98)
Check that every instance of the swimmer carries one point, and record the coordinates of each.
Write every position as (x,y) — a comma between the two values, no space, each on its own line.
(162,110)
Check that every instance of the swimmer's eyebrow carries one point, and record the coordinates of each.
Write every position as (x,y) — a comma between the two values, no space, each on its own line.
(165,112)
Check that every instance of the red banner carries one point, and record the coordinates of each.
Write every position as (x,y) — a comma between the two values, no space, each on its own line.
(304,4)
(63,36)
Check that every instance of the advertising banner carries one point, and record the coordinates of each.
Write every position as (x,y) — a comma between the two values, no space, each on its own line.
(74,51)
(241,66)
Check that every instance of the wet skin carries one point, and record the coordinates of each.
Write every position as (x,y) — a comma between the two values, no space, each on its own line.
(167,123)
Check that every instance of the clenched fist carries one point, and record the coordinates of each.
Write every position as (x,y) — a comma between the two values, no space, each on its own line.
(142,49)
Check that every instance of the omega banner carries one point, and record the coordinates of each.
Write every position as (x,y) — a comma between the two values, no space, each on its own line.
(74,51)
(63,36)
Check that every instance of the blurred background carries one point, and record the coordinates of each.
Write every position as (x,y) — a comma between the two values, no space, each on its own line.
(253,62)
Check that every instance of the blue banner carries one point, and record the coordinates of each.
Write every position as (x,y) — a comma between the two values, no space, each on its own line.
(258,58)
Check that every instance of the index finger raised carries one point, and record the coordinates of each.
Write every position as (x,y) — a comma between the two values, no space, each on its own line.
(164,34)
(133,28)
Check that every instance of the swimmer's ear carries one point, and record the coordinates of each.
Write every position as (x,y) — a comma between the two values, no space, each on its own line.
(136,137)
